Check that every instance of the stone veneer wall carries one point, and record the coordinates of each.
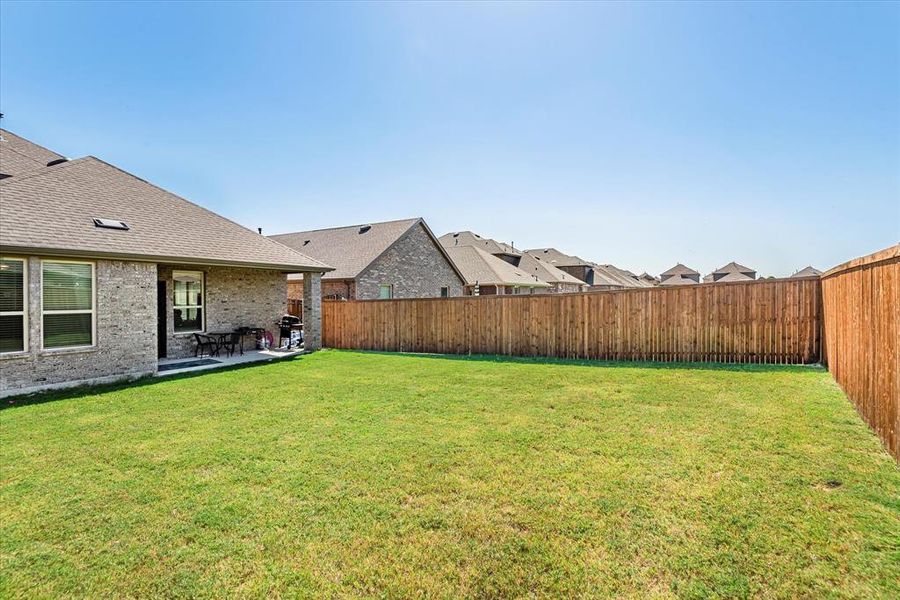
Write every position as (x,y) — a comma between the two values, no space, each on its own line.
(234,297)
(414,265)
(125,344)
(312,311)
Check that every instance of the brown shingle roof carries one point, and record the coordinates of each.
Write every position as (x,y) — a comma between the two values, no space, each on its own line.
(678,280)
(349,249)
(679,269)
(469,238)
(733,276)
(557,258)
(648,278)
(19,156)
(352,248)
(478,266)
(809,271)
(543,270)
(627,279)
(734,267)
(52,210)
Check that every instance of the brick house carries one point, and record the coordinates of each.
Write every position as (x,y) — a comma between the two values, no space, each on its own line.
(103,273)
(488,275)
(558,280)
(393,259)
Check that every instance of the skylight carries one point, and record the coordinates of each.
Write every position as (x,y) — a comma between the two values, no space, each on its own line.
(110,224)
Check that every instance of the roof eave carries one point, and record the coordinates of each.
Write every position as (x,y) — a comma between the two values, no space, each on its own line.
(184,260)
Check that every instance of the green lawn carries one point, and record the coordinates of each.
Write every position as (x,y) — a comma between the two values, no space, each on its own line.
(346,473)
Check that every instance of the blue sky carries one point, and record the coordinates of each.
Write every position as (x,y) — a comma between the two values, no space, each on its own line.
(636,134)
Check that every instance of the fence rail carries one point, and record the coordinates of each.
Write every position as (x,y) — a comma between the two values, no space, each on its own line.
(771,321)
(862,333)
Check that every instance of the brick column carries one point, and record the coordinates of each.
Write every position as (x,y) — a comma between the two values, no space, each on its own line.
(312,311)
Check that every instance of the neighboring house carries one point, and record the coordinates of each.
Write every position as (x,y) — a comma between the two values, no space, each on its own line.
(103,273)
(808,272)
(485,274)
(595,276)
(732,272)
(626,279)
(394,259)
(559,281)
(499,249)
(579,268)
(679,275)
(648,278)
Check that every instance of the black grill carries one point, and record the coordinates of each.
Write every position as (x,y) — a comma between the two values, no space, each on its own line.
(289,323)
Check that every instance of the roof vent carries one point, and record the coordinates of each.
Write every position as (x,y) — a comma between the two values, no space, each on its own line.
(111,224)
(455,235)
(57,161)
(305,242)
(364,228)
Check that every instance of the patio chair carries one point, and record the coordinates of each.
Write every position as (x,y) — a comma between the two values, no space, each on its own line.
(230,342)
(205,342)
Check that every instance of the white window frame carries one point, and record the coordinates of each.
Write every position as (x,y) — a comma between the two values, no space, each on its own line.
(92,311)
(24,311)
(390,287)
(201,306)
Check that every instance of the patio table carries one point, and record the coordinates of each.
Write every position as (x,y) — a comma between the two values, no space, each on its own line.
(219,336)
(245,331)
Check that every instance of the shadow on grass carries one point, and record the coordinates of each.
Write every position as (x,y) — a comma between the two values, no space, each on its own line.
(618,364)
(104,388)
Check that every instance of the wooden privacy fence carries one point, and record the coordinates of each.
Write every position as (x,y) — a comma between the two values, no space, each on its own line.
(861,302)
(770,321)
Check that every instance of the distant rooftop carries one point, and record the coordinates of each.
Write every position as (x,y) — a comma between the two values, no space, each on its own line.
(808,272)
(679,269)
(557,258)
(470,238)
(478,266)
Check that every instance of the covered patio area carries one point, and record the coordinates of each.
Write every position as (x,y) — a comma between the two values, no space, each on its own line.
(177,366)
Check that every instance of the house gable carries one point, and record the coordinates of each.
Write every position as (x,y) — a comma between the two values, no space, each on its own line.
(415,265)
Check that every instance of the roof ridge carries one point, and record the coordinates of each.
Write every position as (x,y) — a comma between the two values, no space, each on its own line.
(203,208)
(22,154)
(411,220)
(87,159)
(25,139)
(44,170)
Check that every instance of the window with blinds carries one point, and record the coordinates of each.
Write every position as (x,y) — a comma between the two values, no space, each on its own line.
(68,303)
(13,305)
(188,301)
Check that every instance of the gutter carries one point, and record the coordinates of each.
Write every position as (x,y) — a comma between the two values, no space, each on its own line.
(177,260)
